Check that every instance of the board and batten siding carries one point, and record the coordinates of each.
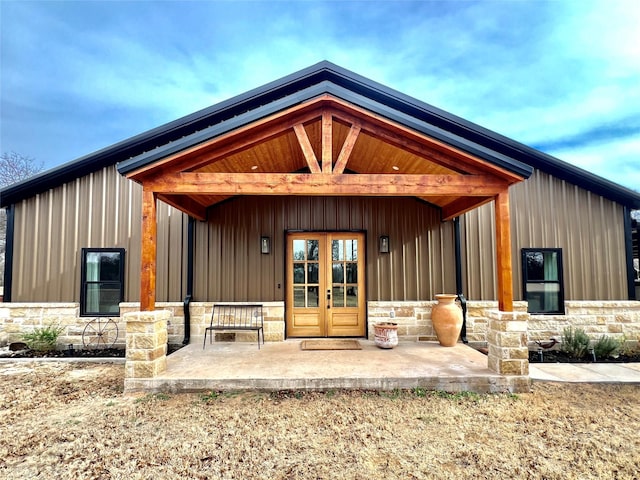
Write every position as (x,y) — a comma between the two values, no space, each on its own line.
(100,210)
(547,212)
(230,267)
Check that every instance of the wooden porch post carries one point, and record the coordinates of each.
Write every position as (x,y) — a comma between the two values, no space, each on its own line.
(148,252)
(503,252)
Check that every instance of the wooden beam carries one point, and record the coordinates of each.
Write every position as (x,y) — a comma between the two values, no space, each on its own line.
(327,142)
(318,184)
(462,205)
(346,150)
(148,252)
(228,144)
(503,252)
(307,149)
(416,142)
(187,205)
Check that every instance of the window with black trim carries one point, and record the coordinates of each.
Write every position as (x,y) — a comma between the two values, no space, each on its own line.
(542,280)
(102,281)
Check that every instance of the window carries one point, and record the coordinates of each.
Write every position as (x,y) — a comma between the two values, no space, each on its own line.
(542,280)
(102,281)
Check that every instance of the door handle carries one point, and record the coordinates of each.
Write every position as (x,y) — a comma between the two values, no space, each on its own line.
(329,298)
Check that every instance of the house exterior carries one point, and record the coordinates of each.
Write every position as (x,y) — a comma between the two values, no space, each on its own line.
(336,202)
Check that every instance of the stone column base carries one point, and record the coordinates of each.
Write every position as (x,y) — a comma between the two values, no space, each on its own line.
(146,355)
(507,340)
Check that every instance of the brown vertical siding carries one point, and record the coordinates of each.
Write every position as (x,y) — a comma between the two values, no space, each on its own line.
(230,267)
(551,213)
(99,210)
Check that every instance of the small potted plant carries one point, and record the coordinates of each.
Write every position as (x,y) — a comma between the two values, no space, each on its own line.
(386,334)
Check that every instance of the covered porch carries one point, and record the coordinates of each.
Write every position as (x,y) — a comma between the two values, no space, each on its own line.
(328,139)
(284,365)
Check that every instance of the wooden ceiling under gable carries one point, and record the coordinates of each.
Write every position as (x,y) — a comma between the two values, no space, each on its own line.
(324,146)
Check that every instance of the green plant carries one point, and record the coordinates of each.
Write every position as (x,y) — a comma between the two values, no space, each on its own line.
(628,346)
(575,342)
(208,397)
(391,394)
(151,397)
(420,392)
(458,396)
(43,339)
(606,347)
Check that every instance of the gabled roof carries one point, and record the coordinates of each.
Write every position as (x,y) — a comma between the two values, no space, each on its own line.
(324,77)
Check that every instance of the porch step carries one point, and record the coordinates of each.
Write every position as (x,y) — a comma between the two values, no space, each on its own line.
(284,366)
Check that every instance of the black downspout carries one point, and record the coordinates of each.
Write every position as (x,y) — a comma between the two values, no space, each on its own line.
(628,247)
(8,253)
(189,297)
(459,289)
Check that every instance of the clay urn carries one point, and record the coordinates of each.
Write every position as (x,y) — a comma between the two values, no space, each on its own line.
(446,317)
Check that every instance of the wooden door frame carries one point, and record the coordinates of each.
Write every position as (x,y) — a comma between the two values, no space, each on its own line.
(365,282)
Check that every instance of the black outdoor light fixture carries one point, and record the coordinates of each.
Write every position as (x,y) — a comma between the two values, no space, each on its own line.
(384,244)
(265,244)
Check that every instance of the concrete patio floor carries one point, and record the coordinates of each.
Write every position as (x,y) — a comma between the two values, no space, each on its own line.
(284,366)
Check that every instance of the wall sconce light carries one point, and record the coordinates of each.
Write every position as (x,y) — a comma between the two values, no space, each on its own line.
(265,244)
(384,244)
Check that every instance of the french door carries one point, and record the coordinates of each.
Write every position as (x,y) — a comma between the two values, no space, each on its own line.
(325,285)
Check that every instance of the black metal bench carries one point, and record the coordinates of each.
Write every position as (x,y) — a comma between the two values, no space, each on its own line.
(230,316)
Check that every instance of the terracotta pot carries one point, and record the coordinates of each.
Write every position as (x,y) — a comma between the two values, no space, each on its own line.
(386,334)
(446,317)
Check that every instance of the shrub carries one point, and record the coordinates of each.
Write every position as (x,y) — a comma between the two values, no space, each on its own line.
(606,347)
(43,339)
(575,342)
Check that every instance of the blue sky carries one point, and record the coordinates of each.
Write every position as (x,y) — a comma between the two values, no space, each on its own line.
(562,76)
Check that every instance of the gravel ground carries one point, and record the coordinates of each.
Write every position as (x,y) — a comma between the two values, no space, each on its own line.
(71,421)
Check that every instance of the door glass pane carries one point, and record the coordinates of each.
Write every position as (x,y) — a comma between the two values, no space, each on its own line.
(338,296)
(351,248)
(338,273)
(298,249)
(312,296)
(298,273)
(312,269)
(337,250)
(312,249)
(298,297)
(352,273)
(352,296)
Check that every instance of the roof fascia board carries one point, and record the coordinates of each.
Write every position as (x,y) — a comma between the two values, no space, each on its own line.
(489,139)
(325,87)
(284,87)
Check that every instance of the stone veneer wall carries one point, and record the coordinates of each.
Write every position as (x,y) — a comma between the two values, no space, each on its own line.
(413,319)
(19,318)
(273,313)
(620,319)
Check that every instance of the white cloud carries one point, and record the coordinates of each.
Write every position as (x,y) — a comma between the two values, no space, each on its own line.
(538,72)
(617,160)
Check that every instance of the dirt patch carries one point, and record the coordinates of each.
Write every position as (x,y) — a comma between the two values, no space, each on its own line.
(69,421)
(74,353)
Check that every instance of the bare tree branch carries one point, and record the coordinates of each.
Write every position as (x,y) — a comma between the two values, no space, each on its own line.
(15,167)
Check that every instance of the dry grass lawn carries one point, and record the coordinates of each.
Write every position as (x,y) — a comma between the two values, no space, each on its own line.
(71,421)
